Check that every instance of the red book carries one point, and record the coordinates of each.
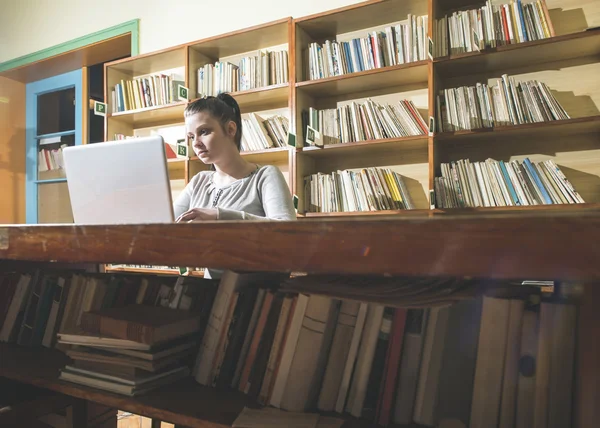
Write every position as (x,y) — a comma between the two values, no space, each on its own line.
(392,363)
(505,27)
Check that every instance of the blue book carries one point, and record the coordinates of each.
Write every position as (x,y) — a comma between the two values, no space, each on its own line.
(537,180)
(509,184)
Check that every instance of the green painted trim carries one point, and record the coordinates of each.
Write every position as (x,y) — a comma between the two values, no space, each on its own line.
(124,28)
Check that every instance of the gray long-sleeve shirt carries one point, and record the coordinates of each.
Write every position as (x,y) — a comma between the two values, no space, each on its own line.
(262,195)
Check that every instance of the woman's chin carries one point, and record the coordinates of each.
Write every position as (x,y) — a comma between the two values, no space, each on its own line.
(204,157)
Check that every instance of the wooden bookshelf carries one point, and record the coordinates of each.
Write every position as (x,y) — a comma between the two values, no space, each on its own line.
(369,80)
(272,96)
(177,403)
(151,116)
(396,213)
(527,54)
(554,242)
(429,246)
(566,62)
(540,130)
(385,144)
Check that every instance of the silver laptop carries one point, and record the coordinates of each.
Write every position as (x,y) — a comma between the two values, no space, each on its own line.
(119,182)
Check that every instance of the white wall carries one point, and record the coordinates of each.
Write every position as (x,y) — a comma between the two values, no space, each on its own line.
(27,26)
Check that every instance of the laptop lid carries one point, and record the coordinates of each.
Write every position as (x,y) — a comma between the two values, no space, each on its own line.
(119,182)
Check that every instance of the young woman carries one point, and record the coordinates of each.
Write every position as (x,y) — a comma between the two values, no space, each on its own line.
(234,189)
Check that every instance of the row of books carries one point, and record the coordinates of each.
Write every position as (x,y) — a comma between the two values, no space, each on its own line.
(369,120)
(399,44)
(480,362)
(497,183)
(145,91)
(161,323)
(263,134)
(512,348)
(492,25)
(51,159)
(40,303)
(370,189)
(504,104)
(264,69)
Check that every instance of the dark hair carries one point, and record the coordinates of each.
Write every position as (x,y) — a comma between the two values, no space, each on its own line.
(224,108)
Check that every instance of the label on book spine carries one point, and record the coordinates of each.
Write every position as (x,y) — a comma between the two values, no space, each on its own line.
(182,93)
(182,148)
(100,108)
(291,139)
(314,137)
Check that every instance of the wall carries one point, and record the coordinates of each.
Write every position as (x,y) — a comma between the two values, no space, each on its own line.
(12,153)
(27,26)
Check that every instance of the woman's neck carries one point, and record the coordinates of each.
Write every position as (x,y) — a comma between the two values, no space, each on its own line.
(234,169)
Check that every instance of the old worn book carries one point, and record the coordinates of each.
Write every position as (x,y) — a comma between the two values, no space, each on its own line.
(140,323)
(104,356)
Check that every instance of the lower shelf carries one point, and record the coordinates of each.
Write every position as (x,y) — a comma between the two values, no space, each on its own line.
(455,211)
(184,402)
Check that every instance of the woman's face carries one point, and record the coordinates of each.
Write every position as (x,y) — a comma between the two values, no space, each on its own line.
(210,142)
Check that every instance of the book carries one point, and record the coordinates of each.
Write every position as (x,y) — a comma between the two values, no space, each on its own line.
(140,323)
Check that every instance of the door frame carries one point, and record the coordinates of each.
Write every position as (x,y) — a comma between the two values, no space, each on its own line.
(77,44)
(72,79)
(24,69)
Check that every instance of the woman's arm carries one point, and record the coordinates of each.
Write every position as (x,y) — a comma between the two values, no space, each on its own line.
(182,202)
(275,197)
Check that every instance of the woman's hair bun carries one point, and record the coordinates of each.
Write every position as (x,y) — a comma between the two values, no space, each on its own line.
(230,101)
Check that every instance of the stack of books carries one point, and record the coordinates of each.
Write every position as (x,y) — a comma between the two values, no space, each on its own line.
(132,349)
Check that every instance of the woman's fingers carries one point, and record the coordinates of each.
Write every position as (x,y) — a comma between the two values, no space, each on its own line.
(186,216)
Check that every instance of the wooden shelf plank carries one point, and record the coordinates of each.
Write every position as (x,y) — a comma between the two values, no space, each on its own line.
(527,54)
(359,16)
(502,210)
(578,125)
(55,134)
(244,40)
(416,213)
(264,98)
(455,211)
(151,62)
(369,80)
(267,156)
(345,149)
(152,116)
(184,402)
(337,245)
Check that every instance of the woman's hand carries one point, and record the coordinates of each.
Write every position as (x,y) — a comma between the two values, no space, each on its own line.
(197,214)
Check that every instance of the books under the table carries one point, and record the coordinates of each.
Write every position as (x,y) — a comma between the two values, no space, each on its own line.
(122,384)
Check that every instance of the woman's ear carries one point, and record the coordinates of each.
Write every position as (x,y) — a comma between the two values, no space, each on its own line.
(231,129)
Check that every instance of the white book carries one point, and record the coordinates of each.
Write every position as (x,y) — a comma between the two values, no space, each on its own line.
(351,359)
(288,351)
(360,379)
(17,305)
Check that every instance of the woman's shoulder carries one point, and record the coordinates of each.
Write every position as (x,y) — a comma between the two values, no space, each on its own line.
(203,178)
(269,172)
